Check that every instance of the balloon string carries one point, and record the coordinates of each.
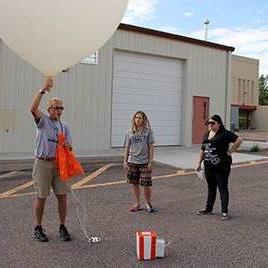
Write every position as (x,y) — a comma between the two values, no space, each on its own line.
(168,244)
(76,203)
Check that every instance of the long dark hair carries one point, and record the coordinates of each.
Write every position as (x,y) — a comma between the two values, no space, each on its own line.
(218,119)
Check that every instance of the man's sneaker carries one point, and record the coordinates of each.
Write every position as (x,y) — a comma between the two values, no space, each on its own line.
(204,212)
(225,217)
(64,234)
(39,234)
(150,208)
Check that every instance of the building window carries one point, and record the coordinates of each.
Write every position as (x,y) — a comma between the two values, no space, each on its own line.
(93,59)
(244,92)
(239,91)
(248,92)
(252,93)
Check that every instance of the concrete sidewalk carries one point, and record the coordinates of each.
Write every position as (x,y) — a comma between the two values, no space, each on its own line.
(187,157)
(247,145)
(253,135)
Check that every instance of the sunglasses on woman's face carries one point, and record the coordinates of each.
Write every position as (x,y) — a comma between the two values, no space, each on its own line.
(211,123)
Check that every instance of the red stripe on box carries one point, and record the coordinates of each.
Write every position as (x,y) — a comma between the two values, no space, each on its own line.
(141,247)
(153,246)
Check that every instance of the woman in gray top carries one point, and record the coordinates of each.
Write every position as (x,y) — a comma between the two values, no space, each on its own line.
(138,159)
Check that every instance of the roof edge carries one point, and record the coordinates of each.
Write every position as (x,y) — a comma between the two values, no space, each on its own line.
(245,107)
(138,29)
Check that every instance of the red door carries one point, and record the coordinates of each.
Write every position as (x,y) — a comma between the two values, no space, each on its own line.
(200,116)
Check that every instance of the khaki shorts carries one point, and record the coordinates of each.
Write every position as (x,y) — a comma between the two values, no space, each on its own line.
(46,175)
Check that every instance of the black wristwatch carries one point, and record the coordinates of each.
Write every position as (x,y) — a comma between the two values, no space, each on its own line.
(42,91)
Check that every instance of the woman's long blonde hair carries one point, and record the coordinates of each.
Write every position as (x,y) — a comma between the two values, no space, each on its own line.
(146,122)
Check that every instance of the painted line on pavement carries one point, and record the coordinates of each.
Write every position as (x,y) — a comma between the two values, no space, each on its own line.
(112,183)
(92,176)
(251,163)
(178,174)
(18,195)
(12,191)
(10,174)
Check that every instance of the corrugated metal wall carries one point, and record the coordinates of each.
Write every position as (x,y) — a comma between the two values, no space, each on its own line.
(87,90)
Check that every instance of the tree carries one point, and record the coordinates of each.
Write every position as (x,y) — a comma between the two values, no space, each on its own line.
(263,90)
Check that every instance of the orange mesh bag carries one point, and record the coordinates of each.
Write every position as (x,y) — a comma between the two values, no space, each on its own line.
(67,163)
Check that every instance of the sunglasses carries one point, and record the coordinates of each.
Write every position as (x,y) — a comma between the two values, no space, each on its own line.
(211,123)
(58,108)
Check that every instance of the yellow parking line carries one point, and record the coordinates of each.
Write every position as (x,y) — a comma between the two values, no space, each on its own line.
(9,174)
(16,189)
(24,186)
(18,195)
(74,186)
(112,183)
(178,174)
(92,176)
(11,193)
(251,163)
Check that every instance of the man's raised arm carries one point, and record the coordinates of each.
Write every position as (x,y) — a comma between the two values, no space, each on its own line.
(37,99)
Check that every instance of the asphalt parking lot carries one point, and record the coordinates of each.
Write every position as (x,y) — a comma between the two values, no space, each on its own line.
(195,241)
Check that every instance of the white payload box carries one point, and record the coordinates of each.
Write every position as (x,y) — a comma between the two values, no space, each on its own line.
(149,247)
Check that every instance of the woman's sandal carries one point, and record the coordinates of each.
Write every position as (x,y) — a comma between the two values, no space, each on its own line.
(135,208)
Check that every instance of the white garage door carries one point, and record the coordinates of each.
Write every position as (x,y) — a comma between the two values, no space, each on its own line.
(151,84)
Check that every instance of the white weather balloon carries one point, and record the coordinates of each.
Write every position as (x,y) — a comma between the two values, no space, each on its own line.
(55,34)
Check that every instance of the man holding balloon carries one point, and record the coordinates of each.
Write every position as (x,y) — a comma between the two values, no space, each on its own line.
(45,169)
(67,35)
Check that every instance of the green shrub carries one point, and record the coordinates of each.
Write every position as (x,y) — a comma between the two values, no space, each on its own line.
(255,148)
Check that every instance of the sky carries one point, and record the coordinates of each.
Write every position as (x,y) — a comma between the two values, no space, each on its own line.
(237,23)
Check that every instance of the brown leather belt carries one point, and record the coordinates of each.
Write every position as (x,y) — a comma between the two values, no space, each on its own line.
(46,158)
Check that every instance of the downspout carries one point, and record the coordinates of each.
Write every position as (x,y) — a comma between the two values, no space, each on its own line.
(227,88)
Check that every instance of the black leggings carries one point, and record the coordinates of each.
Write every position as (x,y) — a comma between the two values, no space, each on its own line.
(217,177)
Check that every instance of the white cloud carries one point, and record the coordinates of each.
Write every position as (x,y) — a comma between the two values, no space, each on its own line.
(247,42)
(139,11)
(188,14)
(251,43)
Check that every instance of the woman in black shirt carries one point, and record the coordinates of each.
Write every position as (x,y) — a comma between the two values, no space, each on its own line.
(216,154)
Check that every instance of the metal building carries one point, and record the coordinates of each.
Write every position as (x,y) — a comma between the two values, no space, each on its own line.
(245,91)
(178,81)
